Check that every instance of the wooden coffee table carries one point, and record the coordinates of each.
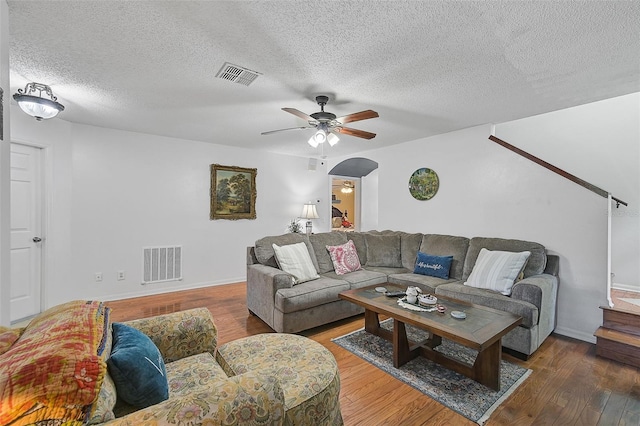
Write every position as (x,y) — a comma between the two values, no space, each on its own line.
(481,330)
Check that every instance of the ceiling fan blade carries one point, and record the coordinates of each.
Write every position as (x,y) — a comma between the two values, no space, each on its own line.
(355,132)
(357,116)
(284,130)
(299,114)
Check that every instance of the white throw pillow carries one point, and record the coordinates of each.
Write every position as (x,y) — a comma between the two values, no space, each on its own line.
(497,270)
(294,259)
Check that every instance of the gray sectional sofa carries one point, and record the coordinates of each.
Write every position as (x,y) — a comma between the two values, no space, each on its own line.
(390,257)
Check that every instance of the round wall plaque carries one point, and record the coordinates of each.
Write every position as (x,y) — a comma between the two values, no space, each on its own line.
(423,184)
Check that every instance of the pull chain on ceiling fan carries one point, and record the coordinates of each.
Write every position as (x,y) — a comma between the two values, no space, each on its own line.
(328,124)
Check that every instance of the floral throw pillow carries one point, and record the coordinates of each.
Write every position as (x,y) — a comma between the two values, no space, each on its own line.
(345,258)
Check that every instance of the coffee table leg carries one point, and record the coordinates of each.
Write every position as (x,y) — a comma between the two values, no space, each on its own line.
(487,366)
(371,322)
(401,351)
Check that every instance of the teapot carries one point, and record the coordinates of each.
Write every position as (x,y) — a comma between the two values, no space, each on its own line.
(412,294)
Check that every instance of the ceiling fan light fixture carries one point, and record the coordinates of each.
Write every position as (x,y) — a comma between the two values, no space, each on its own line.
(332,139)
(347,187)
(35,104)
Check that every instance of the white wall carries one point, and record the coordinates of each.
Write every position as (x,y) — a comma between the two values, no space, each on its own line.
(600,143)
(369,201)
(485,190)
(114,192)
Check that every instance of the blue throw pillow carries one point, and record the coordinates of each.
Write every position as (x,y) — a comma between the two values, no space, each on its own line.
(137,368)
(434,266)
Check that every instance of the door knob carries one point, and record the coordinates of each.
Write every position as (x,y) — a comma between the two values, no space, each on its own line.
(37,239)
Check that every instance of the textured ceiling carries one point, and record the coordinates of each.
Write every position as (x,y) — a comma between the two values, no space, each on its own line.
(426,67)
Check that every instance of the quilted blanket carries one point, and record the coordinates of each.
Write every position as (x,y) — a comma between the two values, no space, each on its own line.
(53,372)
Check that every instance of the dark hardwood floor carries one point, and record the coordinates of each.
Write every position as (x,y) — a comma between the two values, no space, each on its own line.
(569,384)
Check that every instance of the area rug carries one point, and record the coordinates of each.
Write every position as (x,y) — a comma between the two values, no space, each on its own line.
(455,391)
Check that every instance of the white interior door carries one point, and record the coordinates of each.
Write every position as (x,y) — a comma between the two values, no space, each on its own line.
(26,228)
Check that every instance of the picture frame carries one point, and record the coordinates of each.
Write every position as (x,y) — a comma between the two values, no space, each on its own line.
(424,184)
(233,192)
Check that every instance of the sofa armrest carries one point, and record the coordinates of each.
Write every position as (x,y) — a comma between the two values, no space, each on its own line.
(541,291)
(262,284)
(227,404)
(180,334)
(267,278)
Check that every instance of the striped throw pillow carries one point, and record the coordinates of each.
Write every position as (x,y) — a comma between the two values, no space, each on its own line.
(497,270)
(294,259)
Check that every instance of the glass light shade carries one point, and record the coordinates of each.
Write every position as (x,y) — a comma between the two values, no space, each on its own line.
(309,211)
(312,141)
(318,137)
(346,190)
(39,108)
(332,139)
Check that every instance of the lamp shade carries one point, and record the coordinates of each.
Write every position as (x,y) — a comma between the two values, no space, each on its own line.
(309,211)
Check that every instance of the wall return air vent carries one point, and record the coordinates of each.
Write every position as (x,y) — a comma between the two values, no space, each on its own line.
(237,74)
(161,264)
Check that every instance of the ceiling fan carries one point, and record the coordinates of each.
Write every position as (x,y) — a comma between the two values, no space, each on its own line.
(327,124)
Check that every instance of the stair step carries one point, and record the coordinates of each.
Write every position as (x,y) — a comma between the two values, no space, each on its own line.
(621,320)
(618,346)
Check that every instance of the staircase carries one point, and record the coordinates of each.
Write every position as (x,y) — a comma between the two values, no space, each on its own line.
(619,337)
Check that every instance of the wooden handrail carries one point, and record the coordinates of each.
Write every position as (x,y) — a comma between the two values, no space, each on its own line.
(557,170)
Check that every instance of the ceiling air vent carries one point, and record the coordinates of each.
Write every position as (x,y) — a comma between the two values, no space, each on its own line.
(237,74)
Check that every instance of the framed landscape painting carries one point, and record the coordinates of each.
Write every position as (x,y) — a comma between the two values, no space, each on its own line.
(233,192)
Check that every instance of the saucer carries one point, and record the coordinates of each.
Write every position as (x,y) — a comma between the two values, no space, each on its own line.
(381,289)
(458,314)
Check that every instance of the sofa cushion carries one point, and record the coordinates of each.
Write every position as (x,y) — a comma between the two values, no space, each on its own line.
(345,258)
(426,283)
(294,259)
(535,265)
(387,270)
(137,368)
(409,247)
(309,294)
(360,242)
(361,278)
(491,299)
(383,250)
(197,371)
(447,245)
(432,265)
(319,242)
(497,270)
(53,372)
(263,247)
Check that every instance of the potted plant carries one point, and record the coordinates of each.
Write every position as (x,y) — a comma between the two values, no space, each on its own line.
(294,227)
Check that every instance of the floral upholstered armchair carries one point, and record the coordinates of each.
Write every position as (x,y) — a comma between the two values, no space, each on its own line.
(55,371)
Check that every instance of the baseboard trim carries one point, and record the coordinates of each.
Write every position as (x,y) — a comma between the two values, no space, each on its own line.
(625,287)
(151,291)
(575,334)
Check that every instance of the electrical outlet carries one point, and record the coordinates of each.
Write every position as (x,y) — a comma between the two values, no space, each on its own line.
(98,276)
(121,275)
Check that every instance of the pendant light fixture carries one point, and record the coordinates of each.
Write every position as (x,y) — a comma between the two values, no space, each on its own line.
(32,101)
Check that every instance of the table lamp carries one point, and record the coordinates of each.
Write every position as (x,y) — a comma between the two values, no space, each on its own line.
(309,212)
